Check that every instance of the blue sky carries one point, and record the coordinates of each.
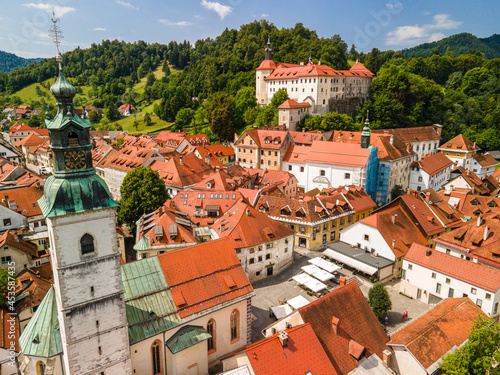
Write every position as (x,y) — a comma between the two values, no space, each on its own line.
(388,24)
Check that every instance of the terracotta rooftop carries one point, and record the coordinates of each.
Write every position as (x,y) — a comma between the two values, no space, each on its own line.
(485,160)
(22,200)
(471,273)
(216,150)
(355,321)
(470,204)
(284,71)
(302,354)
(182,171)
(245,226)
(198,276)
(264,138)
(292,104)
(9,238)
(127,158)
(439,330)
(32,287)
(415,134)
(433,164)
(198,139)
(267,64)
(459,143)
(31,140)
(306,138)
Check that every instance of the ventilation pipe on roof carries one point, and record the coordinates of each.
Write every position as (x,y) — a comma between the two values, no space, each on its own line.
(248,212)
(428,253)
(428,197)
(207,160)
(335,324)
(319,62)
(181,160)
(302,63)
(391,140)
(486,233)
(393,218)
(393,244)
(386,357)
(342,281)
(478,223)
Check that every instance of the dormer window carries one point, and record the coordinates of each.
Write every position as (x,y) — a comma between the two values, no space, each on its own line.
(267,140)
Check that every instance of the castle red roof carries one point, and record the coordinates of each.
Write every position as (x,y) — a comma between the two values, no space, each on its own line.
(284,71)
(292,104)
(267,64)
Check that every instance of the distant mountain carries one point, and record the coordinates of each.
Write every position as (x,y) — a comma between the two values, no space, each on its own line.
(9,61)
(459,44)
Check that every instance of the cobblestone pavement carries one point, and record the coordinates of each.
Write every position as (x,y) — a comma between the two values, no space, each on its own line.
(271,290)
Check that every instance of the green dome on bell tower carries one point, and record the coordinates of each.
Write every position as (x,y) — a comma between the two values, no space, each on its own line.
(74,186)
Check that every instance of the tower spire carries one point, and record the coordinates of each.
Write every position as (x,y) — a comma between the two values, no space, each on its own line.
(57,36)
(268,49)
(366,134)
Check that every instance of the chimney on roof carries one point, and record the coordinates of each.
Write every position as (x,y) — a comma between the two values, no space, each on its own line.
(319,62)
(428,253)
(486,233)
(474,145)
(6,199)
(478,223)
(393,244)
(181,160)
(393,218)
(302,63)
(207,160)
(347,187)
(255,126)
(428,196)
(386,357)
(335,324)
(248,212)
(408,147)
(160,210)
(342,281)
(303,130)
(265,127)
(391,139)
(283,337)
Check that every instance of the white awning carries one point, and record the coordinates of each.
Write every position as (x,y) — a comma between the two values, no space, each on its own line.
(317,272)
(324,264)
(351,262)
(309,282)
(281,311)
(297,302)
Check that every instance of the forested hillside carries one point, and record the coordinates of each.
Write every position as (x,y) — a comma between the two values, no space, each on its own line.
(9,61)
(214,82)
(459,44)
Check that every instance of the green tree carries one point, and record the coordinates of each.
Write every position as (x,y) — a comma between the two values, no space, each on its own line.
(147,120)
(135,124)
(184,117)
(220,116)
(142,191)
(94,117)
(337,121)
(111,112)
(150,79)
(279,97)
(244,100)
(480,354)
(397,191)
(379,299)
(166,68)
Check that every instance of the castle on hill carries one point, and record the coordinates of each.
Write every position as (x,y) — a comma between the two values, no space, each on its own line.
(323,88)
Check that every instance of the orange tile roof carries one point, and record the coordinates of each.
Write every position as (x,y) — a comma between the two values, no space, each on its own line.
(292,104)
(182,171)
(306,138)
(296,154)
(475,183)
(196,276)
(245,226)
(9,238)
(267,64)
(42,132)
(415,134)
(284,71)
(127,158)
(198,139)
(356,321)
(404,231)
(469,272)
(433,164)
(439,330)
(342,154)
(18,127)
(303,354)
(356,196)
(473,205)
(36,286)
(272,139)
(485,160)
(26,200)
(216,150)
(459,143)
(30,140)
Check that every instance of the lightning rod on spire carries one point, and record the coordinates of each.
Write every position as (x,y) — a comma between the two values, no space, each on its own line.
(57,36)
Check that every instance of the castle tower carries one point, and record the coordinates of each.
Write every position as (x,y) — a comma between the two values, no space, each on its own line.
(265,68)
(366,134)
(80,217)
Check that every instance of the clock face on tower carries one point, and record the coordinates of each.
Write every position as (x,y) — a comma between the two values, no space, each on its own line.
(74,159)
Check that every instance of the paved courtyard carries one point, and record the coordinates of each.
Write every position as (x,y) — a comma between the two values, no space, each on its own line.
(276,288)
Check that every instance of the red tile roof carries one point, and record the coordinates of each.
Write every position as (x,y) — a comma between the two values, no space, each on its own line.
(348,154)
(216,150)
(26,200)
(268,139)
(28,281)
(485,160)
(127,158)
(30,140)
(296,154)
(284,71)
(433,164)
(292,104)
(306,138)
(182,171)
(19,127)
(472,205)
(245,226)
(416,134)
(469,272)
(403,231)
(267,64)
(9,238)
(196,276)
(459,143)
(356,321)
(198,139)
(303,354)
(439,330)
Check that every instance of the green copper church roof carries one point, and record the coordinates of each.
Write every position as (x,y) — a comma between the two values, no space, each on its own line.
(41,337)
(62,196)
(186,337)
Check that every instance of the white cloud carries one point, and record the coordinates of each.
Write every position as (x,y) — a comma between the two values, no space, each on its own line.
(264,15)
(410,35)
(170,23)
(99,29)
(126,4)
(59,11)
(221,10)
(198,17)
(394,5)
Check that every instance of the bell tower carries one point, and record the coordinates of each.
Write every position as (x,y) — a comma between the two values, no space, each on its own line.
(366,134)
(85,260)
(265,69)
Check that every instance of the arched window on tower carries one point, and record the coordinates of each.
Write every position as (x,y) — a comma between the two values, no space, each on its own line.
(211,341)
(40,368)
(155,356)
(72,139)
(87,244)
